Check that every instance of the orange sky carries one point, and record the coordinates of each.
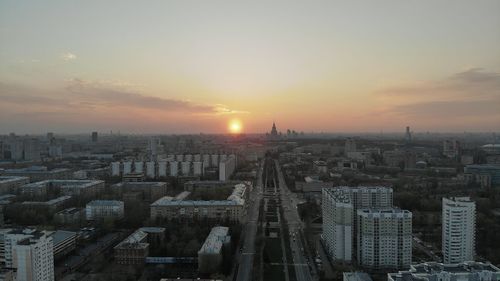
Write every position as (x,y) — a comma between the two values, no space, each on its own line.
(189,67)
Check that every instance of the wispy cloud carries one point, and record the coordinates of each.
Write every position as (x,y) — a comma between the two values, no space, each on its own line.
(468,84)
(68,56)
(473,92)
(104,93)
(80,97)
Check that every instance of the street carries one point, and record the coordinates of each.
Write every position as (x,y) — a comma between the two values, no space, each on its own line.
(246,257)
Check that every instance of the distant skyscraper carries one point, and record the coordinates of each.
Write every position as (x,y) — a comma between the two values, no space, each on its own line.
(459,223)
(94,136)
(50,136)
(451,148)
(274,131)
(408,136)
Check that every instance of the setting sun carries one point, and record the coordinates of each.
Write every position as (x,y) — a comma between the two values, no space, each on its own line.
(235,126)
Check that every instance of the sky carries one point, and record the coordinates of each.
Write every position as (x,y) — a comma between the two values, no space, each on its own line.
(185,66)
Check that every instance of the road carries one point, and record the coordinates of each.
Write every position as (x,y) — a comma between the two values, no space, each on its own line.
(245,266)
(304,267)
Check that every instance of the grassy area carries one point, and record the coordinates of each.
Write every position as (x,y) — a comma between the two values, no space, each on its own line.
(272,251)
(274,272)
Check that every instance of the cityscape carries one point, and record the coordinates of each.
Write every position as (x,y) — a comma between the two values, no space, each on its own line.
(232,141)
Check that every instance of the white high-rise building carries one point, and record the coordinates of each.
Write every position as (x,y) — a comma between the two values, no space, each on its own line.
(139,166)
(162,169)
(458,231)
(206,160)
(384,238)
(339,206)
(31,253)
(337,224)
(174,168)
(197,168)
(115,169)
(151,169)
(185,168)
(127,167)
(227,167)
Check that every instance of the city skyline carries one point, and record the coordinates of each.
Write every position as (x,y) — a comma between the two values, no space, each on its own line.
(190,67)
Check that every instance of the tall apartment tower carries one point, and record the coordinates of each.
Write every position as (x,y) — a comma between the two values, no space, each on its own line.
(340,205)
(384,238)
(31,253)
(459,223)
(337,224)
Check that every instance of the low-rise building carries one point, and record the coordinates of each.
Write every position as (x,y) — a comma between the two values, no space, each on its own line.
(70,215)
(356,276)
(64,243)
(486,175)
(102,209)
(135,248)
(210,255)
(52,205)
(233,208)
(40,173)
(149,191)
(12,184)
(86,188)
(467,271)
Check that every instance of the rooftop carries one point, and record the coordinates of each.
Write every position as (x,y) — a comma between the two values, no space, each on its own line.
(64,183)
(62,235)
(385,212)
(236,198)
(7,179)
(429,270)
(69,211)
(35,169)
(140,184)
(215,240)
(356,276)
(50,202)
(105,203)
(134,240)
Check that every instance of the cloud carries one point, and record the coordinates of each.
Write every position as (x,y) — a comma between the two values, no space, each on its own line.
(68,56)
(222,109)
(474,93)
(117,95)
(468,84)
(449,109)
(85,96)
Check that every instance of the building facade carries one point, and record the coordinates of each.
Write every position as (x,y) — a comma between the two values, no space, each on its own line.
(210,255)
(458,230)
(101,209)
(339,207)
(384,238)
(233,209)
(30,253)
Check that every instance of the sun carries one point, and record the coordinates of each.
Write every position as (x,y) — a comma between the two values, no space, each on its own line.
(235,126)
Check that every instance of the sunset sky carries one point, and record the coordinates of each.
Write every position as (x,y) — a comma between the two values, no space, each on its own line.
(191,66)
